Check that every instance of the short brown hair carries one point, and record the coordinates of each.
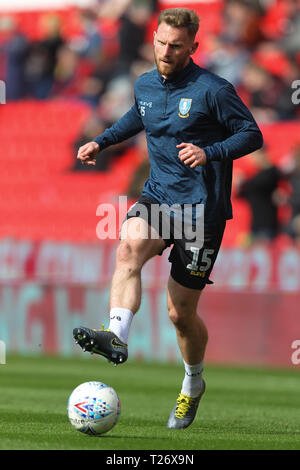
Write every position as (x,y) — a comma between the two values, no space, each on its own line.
(181,18)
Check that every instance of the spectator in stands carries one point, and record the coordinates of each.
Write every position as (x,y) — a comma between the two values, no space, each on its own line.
(42,58)
(283,70)
(104,71)
(15,49)
(66,73)
(89,43)
(117,99)
(86,67)
(132,35)
(263,90)
(242,22)
(291,39)
(227,58)
(260,192)
(90,90)
(293,228)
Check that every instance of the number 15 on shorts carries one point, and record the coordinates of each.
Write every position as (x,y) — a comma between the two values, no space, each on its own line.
(205,260)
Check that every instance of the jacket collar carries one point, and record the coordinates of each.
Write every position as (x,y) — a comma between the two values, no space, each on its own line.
(179,77)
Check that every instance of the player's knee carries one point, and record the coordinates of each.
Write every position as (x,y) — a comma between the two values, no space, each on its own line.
(180,317)
(129,255)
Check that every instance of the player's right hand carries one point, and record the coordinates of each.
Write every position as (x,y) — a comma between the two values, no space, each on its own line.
(87,153)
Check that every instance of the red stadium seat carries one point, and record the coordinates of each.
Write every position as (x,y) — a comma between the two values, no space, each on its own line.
(44,199)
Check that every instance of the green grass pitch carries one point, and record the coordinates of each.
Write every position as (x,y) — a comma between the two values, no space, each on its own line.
(242,409)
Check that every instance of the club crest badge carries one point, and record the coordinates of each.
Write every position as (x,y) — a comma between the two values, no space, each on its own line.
(184,107)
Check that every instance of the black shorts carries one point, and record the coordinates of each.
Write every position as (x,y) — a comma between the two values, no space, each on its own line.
(191,265)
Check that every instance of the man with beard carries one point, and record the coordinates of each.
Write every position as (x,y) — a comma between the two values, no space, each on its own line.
(195,125)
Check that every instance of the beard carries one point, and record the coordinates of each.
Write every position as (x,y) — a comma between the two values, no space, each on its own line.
(169,69)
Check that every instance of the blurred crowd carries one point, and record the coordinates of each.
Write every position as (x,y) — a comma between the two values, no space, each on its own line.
(258,51)
(273,195)
(255,46)
(96,65)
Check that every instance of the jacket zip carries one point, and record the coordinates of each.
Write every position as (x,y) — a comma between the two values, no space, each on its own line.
(167,95)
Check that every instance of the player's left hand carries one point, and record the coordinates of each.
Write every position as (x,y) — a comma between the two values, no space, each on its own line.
(191,155)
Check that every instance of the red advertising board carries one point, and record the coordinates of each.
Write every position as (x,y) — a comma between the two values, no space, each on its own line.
(252,310)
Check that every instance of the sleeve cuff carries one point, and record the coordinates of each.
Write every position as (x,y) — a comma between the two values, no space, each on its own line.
(210,154)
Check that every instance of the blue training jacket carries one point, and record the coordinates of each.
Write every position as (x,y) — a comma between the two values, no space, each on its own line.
(195,107)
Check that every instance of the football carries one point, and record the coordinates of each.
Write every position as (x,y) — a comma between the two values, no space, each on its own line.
(93,408)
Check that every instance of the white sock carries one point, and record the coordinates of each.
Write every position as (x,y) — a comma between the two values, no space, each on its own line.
(120,321)
(192,381)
